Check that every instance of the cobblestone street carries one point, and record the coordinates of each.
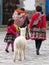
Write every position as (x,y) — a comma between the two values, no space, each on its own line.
(31,57)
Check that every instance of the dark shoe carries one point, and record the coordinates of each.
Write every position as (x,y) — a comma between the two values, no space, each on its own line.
(7,51)
(37,52)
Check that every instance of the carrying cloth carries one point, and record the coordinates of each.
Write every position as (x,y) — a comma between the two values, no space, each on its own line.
(38,32)
(20,21)
(37,19)
(19,17)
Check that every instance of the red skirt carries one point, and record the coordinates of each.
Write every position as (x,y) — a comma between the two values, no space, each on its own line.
(38,33)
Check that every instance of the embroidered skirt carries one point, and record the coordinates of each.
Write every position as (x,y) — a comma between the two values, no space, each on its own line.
(9,38)
(38,33)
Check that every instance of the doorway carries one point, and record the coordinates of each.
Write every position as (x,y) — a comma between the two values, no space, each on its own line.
(8,8)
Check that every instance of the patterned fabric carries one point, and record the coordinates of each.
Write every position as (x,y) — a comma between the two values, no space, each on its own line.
(38,33)
(27,34)
(9,38)
(20,21)
(19,17)
(26,22)
(17,28)
(41,23)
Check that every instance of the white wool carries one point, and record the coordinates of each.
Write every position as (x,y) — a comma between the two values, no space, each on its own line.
(20,44)
(19,41)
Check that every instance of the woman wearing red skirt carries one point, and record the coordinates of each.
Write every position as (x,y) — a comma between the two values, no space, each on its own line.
(38,28)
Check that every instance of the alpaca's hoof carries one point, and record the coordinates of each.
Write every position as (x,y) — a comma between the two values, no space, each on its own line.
(19,59)
(14,60)
(24,58)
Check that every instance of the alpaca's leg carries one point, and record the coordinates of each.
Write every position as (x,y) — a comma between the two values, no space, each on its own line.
(14,56)
(20,52)
(24,52)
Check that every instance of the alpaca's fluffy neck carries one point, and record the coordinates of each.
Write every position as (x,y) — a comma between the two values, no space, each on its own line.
(22,34)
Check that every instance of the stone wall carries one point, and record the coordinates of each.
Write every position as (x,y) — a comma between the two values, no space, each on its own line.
(37,2)
(41,3)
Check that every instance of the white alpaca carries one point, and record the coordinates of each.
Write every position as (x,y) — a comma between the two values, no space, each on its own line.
(20,44)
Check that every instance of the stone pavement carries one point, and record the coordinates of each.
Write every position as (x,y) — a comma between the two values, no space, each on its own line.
(31,57)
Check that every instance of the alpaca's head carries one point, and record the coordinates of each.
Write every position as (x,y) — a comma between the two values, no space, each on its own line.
(22,31)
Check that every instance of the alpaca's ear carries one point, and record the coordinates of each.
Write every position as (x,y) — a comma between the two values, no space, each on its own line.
(25,27)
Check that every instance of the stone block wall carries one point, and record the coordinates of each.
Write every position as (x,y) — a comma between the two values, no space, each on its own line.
(41,3)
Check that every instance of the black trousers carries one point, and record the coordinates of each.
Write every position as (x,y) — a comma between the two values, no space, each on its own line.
(27,32)
(38,44)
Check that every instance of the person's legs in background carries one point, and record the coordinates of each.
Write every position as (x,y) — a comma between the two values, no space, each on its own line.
(8,43)
(12,45)
(38,45)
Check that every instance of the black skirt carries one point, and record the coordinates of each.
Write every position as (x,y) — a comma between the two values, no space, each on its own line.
(9,37)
